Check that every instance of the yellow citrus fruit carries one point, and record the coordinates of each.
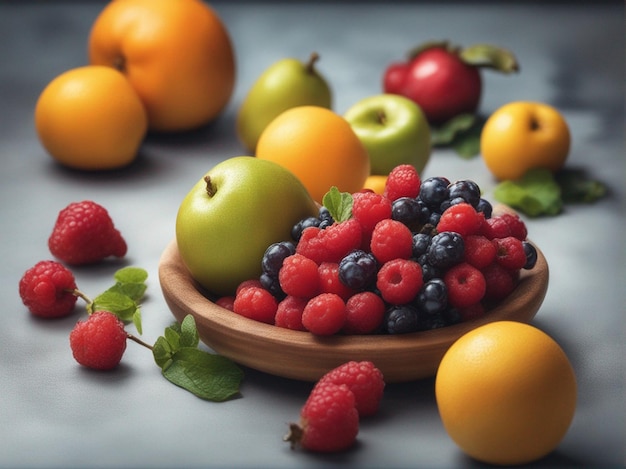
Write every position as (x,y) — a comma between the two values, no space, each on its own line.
(376,183)
(319,147)
(177,55)
(506,393)
(524,135)
(91,118)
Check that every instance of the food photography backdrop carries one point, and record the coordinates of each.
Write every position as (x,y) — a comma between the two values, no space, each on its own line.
(54,413)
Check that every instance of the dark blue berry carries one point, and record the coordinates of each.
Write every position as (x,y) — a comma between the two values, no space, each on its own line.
(272,284)
(421,241)
(407,210)
(298,228)
(485,207)
(325,218)
(428,271)
(433,191)
(427,322)
(358,270)
(274,256)
(466,190)
(433,296)
(446,249)
(451,316)
(401,319)
(531,255)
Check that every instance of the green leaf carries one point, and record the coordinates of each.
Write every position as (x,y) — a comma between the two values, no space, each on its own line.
(188,332)
(121,305)
(172,335)
(446,133)
(162,352)
(488,56)
(137,321)
(134,291)
(339,204)
(208,376)
(131,275)
(535,194)
(577,187)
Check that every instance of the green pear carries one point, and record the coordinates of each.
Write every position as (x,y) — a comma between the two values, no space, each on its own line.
(285,84)
(232,215)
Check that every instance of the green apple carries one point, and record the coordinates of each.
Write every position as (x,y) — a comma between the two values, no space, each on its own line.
(286,84)
(393,129)
(232,214)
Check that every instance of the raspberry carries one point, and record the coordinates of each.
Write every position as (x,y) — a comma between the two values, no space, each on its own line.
(226,302)
(466,285)
(479,251)
(289,313)
(364,313)
(99,342)
(325,314)
(402,181)
(495,227)
(369,208)
(500,282)
(256,303)
(299,276)
(510,252)
(516,225)
(329,420)
(84,234)
(330,282)
(391,239)
(47,290)
(363,379)
(399,281)
(331,244)
(461,218)
(248,283)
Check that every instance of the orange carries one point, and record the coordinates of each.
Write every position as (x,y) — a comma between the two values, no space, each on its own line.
(506,393)
(524,135)
(177,54)
(319,147)
(376,183)
(90,118)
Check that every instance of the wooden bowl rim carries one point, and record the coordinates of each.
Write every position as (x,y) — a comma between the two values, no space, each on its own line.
(304,356)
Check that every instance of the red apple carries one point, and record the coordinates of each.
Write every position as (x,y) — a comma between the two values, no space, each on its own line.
(445,80)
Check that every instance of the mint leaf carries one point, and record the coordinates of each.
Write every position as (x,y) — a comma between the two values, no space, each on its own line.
(208,376)
(535,194)
(131,275)
(118,303)
(461,133)
(339,204)
(137,321)
(577,187)
(188,333)
(134,291)
(162,352)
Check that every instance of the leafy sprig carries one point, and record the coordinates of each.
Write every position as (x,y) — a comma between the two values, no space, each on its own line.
(339,204)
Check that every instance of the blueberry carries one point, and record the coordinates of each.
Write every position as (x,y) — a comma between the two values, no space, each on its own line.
(298,228)
(274,256)
(427,321)
(421,241)
(433,296)
(325,216)
(466,190)
(446,249)
(271,284)
(531,255)
(358,270)
(485,207)
(401,319)
(406,210)
(433,191)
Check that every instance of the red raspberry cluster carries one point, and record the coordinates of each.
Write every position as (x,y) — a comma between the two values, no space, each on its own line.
(417,257)
(329,419)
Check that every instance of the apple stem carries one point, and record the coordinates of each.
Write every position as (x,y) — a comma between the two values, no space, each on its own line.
(310,66)
(534,124)
(210,188)
(382,117)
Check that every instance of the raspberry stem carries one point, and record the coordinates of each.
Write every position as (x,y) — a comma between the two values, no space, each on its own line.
(81,295)
(138,340)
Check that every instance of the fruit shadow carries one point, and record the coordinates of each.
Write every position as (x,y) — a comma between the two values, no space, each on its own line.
(552,460)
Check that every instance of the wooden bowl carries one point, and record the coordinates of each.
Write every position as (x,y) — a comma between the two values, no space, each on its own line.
(303,356)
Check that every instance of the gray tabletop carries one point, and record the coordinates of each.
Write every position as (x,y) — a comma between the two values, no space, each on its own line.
(54,413)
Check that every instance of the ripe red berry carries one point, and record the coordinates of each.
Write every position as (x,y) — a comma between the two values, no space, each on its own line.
(461,218)
(402,181)
(329,280)
(330,244)
(84,234)
(364,380)
(510,252)
(500,281)
(299,277)
(325,314)
(391,239)
(479,251)
(226,302)
(47,290)
(289,313)
(516,225)
(99,342)
(369,208)
(466,285)
(495,227)
(399,281)
(256,303)
(329,420)
(364,313)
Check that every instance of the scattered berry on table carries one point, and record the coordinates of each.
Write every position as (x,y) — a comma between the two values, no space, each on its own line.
(365,381)
(329,420)
(84,233)
(48,290)
(99,342)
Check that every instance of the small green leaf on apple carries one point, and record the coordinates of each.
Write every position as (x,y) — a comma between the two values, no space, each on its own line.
(339,204)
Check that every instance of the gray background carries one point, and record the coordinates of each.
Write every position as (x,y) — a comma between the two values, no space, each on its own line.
(53,413)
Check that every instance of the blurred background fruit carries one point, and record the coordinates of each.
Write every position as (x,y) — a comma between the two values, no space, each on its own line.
(91,118)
